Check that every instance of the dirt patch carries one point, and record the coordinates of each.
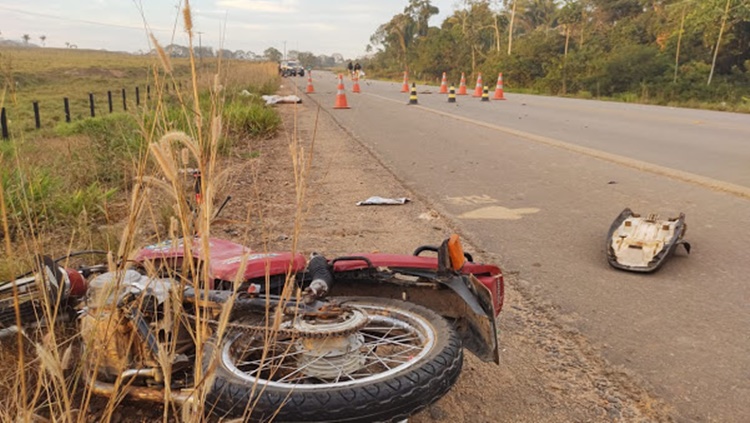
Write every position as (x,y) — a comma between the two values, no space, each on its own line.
(94,71)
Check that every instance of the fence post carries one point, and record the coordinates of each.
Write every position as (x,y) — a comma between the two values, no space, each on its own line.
(4,123)
(137,97)
(67,109)
(148,92)
(109,100)
(124,101)
(91,104)
(37,121)
(166,87)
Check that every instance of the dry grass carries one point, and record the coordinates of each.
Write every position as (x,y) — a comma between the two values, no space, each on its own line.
(42,378)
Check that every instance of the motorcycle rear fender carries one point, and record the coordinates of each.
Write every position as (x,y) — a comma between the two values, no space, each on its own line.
(488,274)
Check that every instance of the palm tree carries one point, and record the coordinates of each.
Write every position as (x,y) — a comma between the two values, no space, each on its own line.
(43,38)
(26,38)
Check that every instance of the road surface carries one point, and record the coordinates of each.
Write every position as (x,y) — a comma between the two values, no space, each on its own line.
(538,180)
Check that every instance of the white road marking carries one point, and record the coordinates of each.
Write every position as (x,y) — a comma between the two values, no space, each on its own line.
(692,178)
(498,212)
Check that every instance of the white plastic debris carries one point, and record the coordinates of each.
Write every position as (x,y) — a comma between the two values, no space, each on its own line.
(380,201)
(281,99)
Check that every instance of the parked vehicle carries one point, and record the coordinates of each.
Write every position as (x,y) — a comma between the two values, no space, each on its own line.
(291,68)
(364,337)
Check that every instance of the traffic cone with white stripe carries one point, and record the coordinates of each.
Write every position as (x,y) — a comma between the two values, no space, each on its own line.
(355,87)
(478,88)
(340,95)
(462,86)
(499,88)
(405,87)
(310,89)
(444,85)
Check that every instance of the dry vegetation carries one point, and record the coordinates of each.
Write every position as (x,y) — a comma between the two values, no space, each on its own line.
(113,183)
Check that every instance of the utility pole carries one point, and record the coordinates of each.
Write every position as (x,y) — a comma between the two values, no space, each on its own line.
(284,49)
(200,48)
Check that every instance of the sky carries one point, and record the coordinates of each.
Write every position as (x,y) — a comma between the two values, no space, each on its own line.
(318,26)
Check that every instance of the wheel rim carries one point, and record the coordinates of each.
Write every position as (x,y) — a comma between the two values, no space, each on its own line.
(392,341)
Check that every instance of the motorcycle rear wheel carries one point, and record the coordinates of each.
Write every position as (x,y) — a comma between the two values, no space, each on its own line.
(411,357)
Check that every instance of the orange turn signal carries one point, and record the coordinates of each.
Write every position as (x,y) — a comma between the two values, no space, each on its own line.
(456,252)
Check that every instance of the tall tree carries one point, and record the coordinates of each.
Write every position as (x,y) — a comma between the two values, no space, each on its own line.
(718,41)
(421,11)
(272,55)
(26,38)
(43,38)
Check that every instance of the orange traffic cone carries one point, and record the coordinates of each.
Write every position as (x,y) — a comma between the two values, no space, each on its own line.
(310,89)
(405,87)
(444,85)
(462,87)
(340,96)
(478,89)
(355,87)
(499,88)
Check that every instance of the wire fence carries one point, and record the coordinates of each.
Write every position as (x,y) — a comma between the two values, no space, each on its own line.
(92,105)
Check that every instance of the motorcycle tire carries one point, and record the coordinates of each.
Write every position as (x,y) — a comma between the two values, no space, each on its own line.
(390,396)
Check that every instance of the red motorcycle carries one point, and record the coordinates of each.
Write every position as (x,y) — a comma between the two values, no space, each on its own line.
(273,336)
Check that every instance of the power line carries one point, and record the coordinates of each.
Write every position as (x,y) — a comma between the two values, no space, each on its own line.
(85,21)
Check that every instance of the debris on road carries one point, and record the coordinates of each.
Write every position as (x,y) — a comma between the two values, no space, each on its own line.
(279,99)
(642,244)
(429,215)
(380,201)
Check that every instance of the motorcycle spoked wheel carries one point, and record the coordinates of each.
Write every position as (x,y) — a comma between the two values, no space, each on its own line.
(410,357)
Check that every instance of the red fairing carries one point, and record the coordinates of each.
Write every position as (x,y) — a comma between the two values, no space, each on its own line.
(489,275)
(258,265)
(226,258)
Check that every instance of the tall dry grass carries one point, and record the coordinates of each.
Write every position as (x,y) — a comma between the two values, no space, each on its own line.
(45,369)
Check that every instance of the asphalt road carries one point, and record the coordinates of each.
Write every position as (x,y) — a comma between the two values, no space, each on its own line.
(538,180)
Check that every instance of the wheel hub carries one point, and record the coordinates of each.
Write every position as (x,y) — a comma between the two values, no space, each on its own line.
(331,348)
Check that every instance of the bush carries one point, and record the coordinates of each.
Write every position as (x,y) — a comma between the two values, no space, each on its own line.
(248,117)
(117,140)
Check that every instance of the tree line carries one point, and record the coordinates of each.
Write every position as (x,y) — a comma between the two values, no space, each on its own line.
(270,54)
(661,51)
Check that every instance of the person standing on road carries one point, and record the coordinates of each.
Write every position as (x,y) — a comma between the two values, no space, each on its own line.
(351,68)
(357,68)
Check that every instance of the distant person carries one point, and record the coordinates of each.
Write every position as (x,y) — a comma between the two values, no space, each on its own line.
(351,68)
(357,68)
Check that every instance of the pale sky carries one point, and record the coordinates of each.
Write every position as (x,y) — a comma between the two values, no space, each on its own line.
(319,26)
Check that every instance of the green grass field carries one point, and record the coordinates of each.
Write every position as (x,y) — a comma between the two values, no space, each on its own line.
(78,174)
(48,75)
